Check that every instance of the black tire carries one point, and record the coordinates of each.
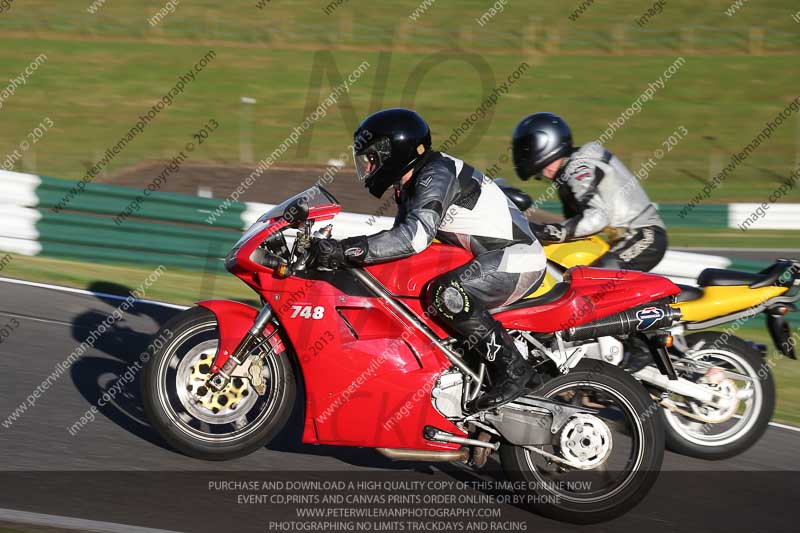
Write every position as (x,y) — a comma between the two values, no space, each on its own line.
(758,368)
(517,468)
(156,395)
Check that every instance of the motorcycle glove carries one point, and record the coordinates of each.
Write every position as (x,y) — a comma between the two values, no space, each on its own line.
(549,232)
(331,254)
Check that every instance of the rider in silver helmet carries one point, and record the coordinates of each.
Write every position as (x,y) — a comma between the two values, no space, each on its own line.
(597,192)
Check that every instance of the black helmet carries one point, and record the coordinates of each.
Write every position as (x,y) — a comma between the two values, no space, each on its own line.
(388,144)
(539,139)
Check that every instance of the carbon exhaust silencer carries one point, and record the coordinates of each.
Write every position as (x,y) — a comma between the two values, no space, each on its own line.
(626,323)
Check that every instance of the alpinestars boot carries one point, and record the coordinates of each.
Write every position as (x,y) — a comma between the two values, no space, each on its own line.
(509,371)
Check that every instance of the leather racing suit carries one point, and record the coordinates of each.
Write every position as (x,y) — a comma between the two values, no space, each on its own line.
(598,192)
(451,201)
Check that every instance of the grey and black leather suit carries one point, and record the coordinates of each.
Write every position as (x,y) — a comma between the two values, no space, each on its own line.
(449,200)
(598,192)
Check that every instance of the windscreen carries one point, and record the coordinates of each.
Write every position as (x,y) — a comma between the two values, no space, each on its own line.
(314,196)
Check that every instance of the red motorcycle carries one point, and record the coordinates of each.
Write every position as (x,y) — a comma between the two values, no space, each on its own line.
(375,371)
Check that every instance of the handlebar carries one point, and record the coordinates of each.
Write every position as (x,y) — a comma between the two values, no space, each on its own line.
(298,256)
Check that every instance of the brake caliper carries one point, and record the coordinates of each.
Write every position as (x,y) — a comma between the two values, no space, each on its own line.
(229,397)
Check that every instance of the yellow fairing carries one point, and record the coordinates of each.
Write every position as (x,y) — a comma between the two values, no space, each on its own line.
(547,284)
(716,301)
(570,254)
(720,301)
(575,253)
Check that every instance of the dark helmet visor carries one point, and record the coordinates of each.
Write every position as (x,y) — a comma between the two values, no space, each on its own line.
(371,159)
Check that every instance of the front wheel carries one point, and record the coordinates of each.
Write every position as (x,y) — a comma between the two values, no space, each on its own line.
(749,413)
(202,423)
(598,466)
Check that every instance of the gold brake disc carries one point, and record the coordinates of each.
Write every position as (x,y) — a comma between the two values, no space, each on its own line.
(230,397)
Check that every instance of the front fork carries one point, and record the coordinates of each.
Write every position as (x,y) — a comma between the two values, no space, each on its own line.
(251,340)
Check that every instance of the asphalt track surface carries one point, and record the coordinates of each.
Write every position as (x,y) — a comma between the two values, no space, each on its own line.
(117,470)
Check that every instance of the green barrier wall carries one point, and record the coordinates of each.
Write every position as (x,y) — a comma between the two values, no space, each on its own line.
(172,229)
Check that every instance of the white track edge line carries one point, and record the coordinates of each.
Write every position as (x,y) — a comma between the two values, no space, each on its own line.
(726,249)
(87,292)
(778,425)
(68,522)
(785,426)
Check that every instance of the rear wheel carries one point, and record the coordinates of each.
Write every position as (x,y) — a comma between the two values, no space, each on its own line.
(198,421)
(615,453)
(749,414)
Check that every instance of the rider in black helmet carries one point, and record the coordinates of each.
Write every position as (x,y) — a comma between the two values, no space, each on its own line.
(442,197)
(596,189)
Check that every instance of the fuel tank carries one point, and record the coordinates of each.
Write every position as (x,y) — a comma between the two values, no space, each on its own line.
(408,277)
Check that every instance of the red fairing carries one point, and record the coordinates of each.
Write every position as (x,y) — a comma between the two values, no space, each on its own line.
(408,277)
(374,390)
(368,377)
(368,374)
(245,268)
(234,320)
(594,293)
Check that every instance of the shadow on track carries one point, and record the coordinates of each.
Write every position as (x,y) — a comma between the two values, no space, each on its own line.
(115,379)
(125,341)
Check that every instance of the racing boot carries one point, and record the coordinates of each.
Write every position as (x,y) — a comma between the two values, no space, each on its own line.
(509,371)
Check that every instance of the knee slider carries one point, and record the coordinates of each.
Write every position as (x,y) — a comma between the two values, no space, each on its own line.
(448,298)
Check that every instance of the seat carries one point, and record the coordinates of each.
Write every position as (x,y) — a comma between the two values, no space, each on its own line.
(558,290)
(721,277)
(774,273)
(689,293)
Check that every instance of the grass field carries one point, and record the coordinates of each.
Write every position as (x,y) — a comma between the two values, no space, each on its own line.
(182,287)
(786,371)
(734,238)
(104,70)
(361,22)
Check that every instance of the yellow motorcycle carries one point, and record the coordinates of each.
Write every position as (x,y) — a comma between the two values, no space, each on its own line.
(724,395)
